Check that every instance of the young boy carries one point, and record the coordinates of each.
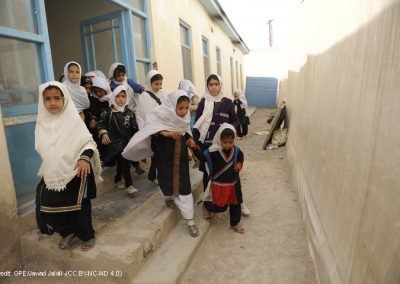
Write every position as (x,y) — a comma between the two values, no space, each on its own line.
(224,160)
(116,127)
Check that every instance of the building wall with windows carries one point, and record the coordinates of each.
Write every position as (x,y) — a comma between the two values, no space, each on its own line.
(38,37)
(167,20)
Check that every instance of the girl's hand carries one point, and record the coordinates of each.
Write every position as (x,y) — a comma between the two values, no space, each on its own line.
(82,168)
(191,144)
(173,134)
(92,123)
(105,139)
(238,167)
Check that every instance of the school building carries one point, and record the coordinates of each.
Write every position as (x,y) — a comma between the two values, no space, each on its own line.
(183,39)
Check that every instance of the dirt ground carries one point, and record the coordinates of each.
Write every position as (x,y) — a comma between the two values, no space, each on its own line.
(274,248)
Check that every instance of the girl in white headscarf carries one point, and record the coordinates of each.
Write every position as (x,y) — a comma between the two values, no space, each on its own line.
(72,77)
(70,166)
(166,134)
(116,127)
(148,100)
(242,112)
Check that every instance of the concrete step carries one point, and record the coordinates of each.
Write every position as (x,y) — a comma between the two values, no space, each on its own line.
(169,263)
(123,239)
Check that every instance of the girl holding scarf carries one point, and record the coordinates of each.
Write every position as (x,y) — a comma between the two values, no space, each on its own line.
(166,135)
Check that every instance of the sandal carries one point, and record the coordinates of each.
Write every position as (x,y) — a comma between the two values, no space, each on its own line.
(206,214)
(238,229)
(193,230)
(170,203)
(66,242)
(88,245)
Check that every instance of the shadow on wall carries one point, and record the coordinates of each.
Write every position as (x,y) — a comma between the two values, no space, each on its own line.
(343,147)
(261,91)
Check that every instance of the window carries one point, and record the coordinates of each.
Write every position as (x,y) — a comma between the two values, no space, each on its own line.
(186,51)
(232,75)
(218,52)
(142,46)
(25,58)
(206,57)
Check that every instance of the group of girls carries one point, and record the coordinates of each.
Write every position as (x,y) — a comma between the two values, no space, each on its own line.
(126,128)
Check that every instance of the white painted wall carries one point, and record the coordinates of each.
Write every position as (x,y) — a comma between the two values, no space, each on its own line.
(343,102)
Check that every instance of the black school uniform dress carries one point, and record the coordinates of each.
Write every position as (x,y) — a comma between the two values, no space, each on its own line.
(120,127)
(225,183)
(68,211)
(172,164)
(243,120)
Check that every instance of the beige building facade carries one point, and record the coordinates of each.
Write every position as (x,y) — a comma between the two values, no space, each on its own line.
(183,39)
(343,101)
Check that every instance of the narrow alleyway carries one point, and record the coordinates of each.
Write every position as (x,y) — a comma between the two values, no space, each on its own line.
(274,248)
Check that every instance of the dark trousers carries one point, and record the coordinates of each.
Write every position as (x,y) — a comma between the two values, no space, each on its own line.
(153,169)
(234,211)
(242,129)
(123,170)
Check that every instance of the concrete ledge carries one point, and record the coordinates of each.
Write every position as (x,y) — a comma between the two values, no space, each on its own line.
(122,244)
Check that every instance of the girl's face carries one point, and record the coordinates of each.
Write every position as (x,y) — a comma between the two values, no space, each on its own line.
(236,95)
(227,143)
(119,77)
(120,99)
(214,87)
(156,86)
(74,75)
(99,92)
(182,108)
(53,100)
(88,88)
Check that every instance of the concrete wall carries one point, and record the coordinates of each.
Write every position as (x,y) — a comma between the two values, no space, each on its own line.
(166,43)
(343,100)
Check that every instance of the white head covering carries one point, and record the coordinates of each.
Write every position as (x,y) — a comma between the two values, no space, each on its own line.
(60,139)
(91,74)
(150,75)
(100,74)
(204,121)
(101,83)
(188,86)
(116,91)
(77,92)
(163,117)
(216,143)
(129,91)
(242,98)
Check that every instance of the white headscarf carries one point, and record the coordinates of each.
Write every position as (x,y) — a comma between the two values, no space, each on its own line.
(150,75)
(242,98)
(163,117)
(100,74)
(204,121)
(91,74)
(77,92)
(188,86)
(129,91)
(60,139)
(116,91)
(216,143)
(101,83)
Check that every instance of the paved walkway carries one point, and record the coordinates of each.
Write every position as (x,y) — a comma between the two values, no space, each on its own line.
(274,248)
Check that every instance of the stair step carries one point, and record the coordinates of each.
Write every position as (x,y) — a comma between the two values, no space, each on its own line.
(169,263)
(122,241)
